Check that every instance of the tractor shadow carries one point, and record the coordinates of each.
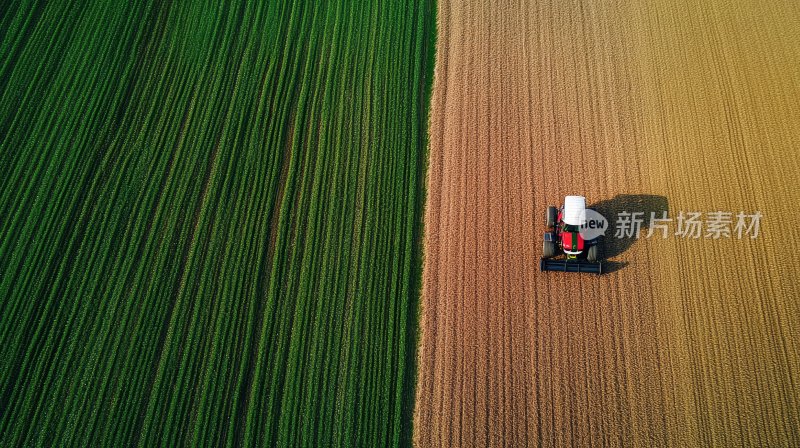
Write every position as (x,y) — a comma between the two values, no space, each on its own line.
(648,204)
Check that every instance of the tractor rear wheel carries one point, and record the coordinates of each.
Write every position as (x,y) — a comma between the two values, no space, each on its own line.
(549,249)
(552,215)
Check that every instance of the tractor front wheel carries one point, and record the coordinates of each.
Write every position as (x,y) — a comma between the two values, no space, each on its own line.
(552,215)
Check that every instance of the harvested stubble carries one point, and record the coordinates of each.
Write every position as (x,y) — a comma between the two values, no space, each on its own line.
(693,342)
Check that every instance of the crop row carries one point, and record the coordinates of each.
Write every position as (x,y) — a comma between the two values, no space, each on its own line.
(209,221)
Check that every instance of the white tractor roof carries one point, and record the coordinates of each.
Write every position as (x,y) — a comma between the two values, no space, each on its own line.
(574,210)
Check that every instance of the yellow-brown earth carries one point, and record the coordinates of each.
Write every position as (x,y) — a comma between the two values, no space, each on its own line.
(639,106)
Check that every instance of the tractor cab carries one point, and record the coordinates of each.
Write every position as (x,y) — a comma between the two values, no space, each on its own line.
(570,220)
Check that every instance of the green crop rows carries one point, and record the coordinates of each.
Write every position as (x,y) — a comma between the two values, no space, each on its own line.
(210,220)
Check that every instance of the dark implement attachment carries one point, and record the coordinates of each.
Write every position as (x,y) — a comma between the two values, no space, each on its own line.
(578,265)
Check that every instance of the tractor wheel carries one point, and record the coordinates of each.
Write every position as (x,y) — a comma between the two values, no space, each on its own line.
(548,249)
(595,253)
(552,215)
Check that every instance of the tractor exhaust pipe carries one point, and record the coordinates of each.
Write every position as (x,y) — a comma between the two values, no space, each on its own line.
(571,266)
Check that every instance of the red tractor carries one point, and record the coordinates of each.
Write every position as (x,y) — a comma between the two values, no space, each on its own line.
(565,248)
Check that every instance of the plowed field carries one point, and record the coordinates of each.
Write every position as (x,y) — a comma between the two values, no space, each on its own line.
(663,106)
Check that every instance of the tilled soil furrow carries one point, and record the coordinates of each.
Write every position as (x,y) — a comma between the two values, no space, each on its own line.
(638,107)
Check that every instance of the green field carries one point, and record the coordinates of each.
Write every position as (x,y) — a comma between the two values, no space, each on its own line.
(209,221)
